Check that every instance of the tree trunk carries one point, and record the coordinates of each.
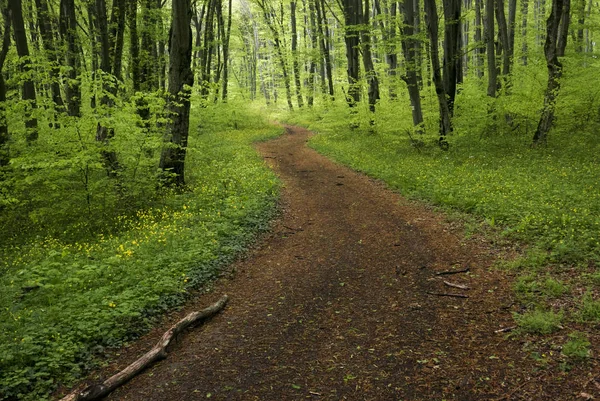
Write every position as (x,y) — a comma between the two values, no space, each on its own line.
(554,71)
(351,10)
(148,51)
(580,25)
(480,45)
(181,79)
(117,36)
(324,43)
(295,65)
(409,42)
(491,51)
(28,94)
(4,134)
(226,53)
(312,69)
(47,30)
(563,31)
(371,75)
(503,33)
(452,56)
(134,44)
(524,12)
(431,19)
(71,46)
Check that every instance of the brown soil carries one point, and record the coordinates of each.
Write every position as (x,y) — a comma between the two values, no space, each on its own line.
(337,302)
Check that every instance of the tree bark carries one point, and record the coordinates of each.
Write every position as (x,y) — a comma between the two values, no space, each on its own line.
(71,46)
(148,51)
(324,44)
(563,31)
(431,19)
(28,90)
(47,31)
(490,49)
(181,80)
(351,10)
(452,50)
(524,12)
(409,44)
(371,75)
(312,69)
(503,33)
(480,45)
(134,44)
(554,66)
(295,65)
(226,53)
(4,133)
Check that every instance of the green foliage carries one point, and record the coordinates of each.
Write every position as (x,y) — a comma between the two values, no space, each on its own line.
(577,348)
(539,321)
(590,308)
(529,286)
(64,300)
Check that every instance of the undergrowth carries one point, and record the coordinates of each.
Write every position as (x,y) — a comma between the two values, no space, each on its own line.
(62,303)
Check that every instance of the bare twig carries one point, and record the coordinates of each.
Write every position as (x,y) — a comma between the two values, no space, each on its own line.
(445,294)
(157,353)
(461,286)
(452,272)
(506,329)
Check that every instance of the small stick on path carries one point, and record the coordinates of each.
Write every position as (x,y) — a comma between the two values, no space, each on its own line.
(506,329)
(445,294)
(452,272)
(157,353)
(460,286)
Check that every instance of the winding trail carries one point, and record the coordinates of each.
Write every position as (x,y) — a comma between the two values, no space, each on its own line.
(336,303)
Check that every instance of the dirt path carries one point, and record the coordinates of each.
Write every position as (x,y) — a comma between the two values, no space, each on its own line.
(334,304)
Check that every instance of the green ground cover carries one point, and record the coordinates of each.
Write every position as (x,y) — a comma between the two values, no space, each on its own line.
(64,300)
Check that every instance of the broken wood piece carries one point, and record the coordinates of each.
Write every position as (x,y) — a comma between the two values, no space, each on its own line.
(445,294)
(506,329)
(461,286)
(452,272)
(157,353)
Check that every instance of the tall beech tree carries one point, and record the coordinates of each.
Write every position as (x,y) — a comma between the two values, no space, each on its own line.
(555,70)
(352,12)
(431,18)
(409,48)
(4,134)
(28,88)
(181,80)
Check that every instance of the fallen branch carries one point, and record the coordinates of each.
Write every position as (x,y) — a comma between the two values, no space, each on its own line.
(157,353)
(462,287)
(452,272)
(445,294)
(506,329)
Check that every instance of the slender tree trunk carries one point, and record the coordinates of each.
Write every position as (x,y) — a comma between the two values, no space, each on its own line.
(452,50)
(312,69)
(28,91)
(563,31)
(554,72)
(4,134)
(409,42)
(134,44)
(279,51)
(148,51)
(324,43)
(71,46)
(503,33)
(351,38)
(295,65)
(47,30)
(491,51)
(181,78)
(371,75)
(512,16)
(116,35)
(580,25)
(226,53)
(480,45)
(431,18)
(524,13)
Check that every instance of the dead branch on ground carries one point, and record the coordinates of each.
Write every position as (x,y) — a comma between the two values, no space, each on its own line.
(157,353)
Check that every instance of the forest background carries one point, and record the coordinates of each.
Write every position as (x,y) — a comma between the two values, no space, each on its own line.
(126,175)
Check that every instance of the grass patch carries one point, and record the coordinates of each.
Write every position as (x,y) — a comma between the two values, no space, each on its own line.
(577,348)
(61,303)
(539,321)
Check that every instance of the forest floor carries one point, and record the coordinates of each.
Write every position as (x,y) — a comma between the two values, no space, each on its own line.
(342,300)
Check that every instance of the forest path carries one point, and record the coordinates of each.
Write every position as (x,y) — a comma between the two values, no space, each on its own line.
(335,303)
